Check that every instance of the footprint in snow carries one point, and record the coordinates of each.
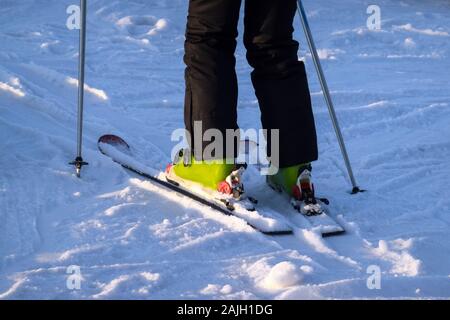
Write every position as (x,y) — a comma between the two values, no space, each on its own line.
(142,26)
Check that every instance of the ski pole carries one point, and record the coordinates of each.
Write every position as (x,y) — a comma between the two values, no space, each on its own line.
(327,95)
(79,163)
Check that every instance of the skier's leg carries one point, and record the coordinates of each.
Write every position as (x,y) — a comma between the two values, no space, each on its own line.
(280,79)
(211,82)
(211,93)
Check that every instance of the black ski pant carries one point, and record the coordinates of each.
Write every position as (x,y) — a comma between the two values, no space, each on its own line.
(278,77)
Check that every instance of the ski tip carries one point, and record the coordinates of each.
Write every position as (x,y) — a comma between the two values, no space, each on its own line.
(113,140)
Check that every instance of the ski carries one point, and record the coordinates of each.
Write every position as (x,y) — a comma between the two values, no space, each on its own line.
(319,220)
(322,221)
(120,152)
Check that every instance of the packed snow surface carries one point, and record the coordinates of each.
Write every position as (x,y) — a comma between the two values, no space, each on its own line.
(130,239)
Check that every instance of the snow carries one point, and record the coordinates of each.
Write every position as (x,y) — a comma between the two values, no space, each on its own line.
(402,262)
(10,89)
(213,289)
(429,32)
(282,275)
(96,92)
(134,240)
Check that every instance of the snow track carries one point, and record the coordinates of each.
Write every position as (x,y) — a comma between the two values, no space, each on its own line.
(131,240)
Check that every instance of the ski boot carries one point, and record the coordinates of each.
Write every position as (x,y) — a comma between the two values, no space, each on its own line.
(213,178)
(296,182)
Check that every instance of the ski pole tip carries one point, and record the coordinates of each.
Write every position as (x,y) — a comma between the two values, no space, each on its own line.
(78,163)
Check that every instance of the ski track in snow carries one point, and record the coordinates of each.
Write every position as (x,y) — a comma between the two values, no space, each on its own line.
(134,240)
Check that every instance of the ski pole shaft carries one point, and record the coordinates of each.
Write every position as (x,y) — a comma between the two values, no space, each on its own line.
(78,163)
(326,93)
(81,63)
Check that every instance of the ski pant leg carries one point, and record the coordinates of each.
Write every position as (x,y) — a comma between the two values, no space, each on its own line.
(211,82)
(279,79)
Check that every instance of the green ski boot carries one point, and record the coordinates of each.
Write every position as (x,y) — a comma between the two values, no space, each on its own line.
(296,182)
(285,180)
(210,175)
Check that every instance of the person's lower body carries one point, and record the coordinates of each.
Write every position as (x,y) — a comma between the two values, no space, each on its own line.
(279,78)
